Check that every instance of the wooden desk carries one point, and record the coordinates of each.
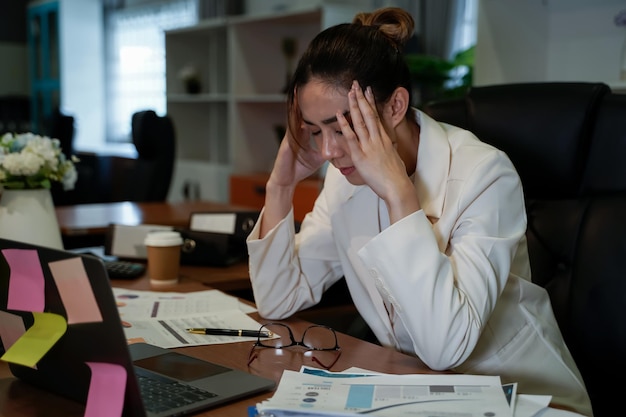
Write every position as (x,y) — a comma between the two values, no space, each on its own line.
(92,221)
(82,219)
(230,279)
(85,225)
(20,399)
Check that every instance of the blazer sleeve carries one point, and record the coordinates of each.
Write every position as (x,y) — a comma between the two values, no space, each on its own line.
(443,289)
(288,271)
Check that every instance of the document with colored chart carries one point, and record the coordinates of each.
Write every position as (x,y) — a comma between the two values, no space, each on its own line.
(400,395)
(304,394)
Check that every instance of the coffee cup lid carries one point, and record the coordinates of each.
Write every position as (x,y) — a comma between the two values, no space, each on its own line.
(163,238)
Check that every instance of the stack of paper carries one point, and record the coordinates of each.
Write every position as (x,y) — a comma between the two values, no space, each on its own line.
(314,392)
(324,394)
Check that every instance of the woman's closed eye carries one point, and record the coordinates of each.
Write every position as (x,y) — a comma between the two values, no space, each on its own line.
(338,132)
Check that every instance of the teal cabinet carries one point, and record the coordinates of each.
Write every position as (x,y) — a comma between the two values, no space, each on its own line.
(43,61)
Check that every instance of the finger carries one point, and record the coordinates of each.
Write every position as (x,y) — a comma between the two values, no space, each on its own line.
(369,95)
(358,122)
(368,111)
(349,135)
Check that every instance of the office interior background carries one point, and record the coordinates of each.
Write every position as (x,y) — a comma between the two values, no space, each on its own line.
(533,40)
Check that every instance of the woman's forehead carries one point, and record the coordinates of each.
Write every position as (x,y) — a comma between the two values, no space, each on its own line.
(319,102)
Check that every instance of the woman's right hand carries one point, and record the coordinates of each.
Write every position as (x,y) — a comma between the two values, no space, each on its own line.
(293,164)
(295,161)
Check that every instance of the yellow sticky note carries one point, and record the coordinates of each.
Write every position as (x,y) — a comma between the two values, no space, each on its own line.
(37,341)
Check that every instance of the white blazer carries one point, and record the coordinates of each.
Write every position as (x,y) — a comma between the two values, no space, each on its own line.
(449,283)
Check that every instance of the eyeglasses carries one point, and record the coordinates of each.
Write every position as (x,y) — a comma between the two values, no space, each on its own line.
(316,338)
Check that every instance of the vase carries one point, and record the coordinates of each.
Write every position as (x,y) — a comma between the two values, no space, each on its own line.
(193,86)
(29,216)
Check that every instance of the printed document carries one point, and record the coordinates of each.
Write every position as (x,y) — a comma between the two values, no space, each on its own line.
(137,304)
(170,333)
(160,318)
(302,394)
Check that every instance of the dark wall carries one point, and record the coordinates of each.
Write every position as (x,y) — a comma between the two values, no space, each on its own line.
(13,21)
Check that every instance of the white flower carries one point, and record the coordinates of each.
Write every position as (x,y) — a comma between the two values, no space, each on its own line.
(24,164)
(69,176)
(29,161)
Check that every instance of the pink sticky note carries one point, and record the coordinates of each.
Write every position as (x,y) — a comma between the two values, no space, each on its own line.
(11,329)
(26,281)
(75,290)
(106,390)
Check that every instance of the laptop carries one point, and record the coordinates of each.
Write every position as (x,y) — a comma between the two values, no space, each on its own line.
(94,335)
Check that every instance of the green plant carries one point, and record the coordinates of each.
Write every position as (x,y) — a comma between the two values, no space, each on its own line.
(438,78)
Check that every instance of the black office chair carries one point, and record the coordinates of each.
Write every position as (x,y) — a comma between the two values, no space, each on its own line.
(568,144)
(61,126)
(150,176)
(14,114)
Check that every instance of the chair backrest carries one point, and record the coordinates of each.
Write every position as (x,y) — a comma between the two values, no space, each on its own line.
(568,143)
(545,128)
(61,126)
(150,176)
(606,170)
(15,114)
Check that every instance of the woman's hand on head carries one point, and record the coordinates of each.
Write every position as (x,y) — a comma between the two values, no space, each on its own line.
(373,152)
(293,165)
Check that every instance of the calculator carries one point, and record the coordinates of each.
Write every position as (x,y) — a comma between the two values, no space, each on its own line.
(124,269)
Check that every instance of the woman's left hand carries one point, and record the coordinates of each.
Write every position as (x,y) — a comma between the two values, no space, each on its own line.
(373,152)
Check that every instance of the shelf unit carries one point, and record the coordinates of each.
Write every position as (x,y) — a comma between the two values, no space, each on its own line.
(44,62)
(230,126)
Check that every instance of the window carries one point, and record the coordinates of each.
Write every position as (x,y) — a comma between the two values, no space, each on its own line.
(135,45)
(464,37)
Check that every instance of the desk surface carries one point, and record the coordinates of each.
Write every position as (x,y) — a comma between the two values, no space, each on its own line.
(20,399)
(94,220)
(232,278)
(84,219)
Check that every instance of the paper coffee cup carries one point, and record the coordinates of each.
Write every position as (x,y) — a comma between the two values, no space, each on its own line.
(163,249)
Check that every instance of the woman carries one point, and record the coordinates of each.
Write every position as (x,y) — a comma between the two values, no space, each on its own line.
(426,223)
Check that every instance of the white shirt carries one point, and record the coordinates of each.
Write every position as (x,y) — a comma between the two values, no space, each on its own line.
(449,283)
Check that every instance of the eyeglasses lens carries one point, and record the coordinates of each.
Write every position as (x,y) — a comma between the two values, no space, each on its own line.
(319,338)
(281,336)
(319,341)
(314,337)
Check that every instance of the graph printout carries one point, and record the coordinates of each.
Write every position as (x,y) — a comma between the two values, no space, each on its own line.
(388,395)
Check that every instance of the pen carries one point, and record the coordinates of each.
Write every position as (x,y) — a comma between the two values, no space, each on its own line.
(230,332)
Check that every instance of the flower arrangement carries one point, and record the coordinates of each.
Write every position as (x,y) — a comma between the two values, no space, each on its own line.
(30,161)
(620,18)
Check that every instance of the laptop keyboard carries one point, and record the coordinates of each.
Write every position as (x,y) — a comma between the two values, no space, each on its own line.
(160,394)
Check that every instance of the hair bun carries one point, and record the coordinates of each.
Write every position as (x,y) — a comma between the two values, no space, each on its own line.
(395,23)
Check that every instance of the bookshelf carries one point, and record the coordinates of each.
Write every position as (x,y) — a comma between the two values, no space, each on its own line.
(230,126)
